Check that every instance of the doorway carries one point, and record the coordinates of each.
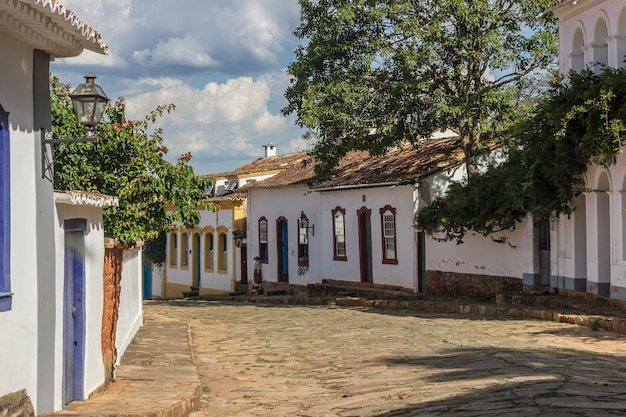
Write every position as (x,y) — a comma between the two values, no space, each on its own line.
(282,248)
(74,310)
(195,261)
(365,244)
(244,264)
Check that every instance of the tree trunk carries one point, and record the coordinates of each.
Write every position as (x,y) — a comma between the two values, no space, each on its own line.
(470,138)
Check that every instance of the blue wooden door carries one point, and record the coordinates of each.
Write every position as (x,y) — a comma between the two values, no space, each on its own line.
(282,243)
(147,279)
(74,312)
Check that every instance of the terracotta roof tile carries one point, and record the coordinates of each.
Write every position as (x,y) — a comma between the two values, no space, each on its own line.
(267,164)
(400,165)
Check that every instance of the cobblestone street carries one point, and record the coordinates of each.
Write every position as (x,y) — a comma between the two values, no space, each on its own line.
(257,360)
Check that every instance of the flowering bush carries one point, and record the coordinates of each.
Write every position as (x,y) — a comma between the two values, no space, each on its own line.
(127,161)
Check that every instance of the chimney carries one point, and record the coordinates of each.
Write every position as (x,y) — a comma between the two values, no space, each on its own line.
(270,149)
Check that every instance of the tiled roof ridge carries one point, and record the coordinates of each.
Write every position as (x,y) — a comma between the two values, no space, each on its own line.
(87,32)
(242,168)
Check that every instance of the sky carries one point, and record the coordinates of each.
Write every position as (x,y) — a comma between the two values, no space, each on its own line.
(221,62)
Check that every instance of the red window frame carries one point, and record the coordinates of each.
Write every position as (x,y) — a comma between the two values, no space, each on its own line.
(263,246)
(336,256)
(384,235)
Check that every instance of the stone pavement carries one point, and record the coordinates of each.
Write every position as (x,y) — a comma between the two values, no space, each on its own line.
(374,358)
(157,376)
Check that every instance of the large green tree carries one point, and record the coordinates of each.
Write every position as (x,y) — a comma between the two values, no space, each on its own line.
(372,73)
(127,161)
(577,123)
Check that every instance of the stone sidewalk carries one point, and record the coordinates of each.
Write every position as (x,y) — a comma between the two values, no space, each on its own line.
(157,376)
(385,358)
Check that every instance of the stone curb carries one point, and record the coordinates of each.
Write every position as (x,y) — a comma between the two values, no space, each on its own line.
(610,323)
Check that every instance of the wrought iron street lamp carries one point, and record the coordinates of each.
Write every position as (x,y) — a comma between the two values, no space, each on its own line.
(89,102)
(304,224)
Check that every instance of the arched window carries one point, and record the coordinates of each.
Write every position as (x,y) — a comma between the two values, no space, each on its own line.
(184,251)
(222,250)
(263,252)
(388,224)
(621,39)
(600,45)
(577,56)
(209,252)
(173,249)
(339,234)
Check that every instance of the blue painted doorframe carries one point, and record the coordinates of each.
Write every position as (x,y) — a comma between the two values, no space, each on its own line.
(74,311)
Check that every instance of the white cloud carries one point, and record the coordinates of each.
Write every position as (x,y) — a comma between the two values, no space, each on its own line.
(186,51)
(221,63)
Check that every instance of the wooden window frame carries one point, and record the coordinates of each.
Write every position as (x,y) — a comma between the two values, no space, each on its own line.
(209,252)
(263,246)
(222,250)
(184,250)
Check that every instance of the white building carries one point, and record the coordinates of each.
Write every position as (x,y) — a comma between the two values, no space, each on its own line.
(360,223)
(588,248)
(212,257)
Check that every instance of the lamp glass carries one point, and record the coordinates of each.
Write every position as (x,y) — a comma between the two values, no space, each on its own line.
(89,101)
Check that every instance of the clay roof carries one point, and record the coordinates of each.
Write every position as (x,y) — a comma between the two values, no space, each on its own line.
(406,164)
(261,165)
(401,165)
(49,26)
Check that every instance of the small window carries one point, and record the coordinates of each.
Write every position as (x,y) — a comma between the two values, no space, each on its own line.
(173,249)
(263,254)
(184,251)
(303,240)
(339,234)
(209,253)
(388,222)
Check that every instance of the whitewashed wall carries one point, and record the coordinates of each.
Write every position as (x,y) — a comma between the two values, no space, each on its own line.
(19,345)
(213,281)
(288,203)
(400,198)
(481,255)
(130,317)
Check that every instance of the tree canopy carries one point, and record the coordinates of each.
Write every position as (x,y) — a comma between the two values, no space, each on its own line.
(127,162)
(577,123)
(372,73)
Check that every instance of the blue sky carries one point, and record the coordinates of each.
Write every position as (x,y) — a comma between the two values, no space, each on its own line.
(221,62)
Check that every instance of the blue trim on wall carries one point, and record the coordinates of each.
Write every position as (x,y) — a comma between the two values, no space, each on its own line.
(5,213)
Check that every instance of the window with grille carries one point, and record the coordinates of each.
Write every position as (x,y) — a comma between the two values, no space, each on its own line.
(339,234)
(263,253)
(303,241)
(388,223)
